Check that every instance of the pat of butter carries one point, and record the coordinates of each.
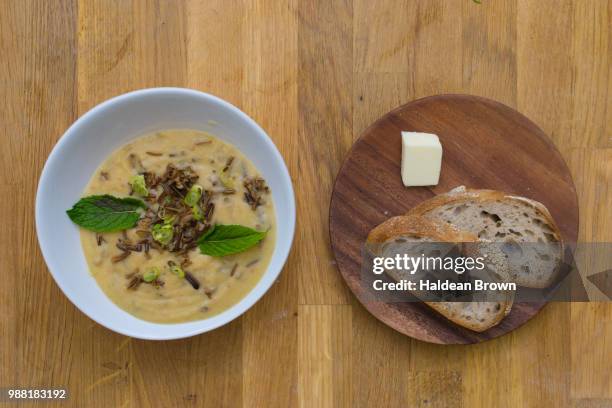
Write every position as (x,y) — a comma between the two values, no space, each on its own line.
(421,159)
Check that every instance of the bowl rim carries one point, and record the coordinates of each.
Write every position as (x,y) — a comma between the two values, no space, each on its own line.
(238,308)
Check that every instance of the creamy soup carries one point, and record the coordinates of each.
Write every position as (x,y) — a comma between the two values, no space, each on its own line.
(233,192)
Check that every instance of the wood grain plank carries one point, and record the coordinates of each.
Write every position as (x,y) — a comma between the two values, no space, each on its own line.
(106,52)
(383,33)
(438,48)
(591,88)
(324,356)
(159,42)
(270,97)
(592,170)
(125,46)
(324,134)
(489,50)
(591,403)
(380,375)
(376,93)
(590,354)
(489,372)
(544,94)
(544,78)
(41,106)
(590,350)
(213,65)
(435,389)
(540,358)
(591,334)
(13,40)
(9,341)
(601,188)
(199,371)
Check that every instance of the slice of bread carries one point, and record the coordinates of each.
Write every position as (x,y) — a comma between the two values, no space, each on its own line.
(398,235)
(523,228)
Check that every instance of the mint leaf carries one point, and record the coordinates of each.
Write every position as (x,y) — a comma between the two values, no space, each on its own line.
(105,213)
(222,240)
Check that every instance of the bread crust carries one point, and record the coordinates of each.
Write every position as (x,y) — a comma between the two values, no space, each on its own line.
(462,194)
(416,226)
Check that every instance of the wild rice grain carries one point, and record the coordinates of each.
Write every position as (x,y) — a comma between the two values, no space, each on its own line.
(233,271)
(135,282)
(192,280)
(120,257)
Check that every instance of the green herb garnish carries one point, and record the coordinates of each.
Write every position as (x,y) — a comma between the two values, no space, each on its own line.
(105,213)
(193,195)
(139,186)
(222,240)
(226,180)
(150,275)
(178,271)
(169,219)
(162,233)
(197,212)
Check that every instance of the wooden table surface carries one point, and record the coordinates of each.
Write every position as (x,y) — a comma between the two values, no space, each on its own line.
(313,74)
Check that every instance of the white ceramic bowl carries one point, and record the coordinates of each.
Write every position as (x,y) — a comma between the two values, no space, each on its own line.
(92,138)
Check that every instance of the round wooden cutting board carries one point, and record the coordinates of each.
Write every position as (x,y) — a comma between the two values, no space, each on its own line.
(485,145)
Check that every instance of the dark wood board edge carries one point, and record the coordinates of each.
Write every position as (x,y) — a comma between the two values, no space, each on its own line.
(521,312)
